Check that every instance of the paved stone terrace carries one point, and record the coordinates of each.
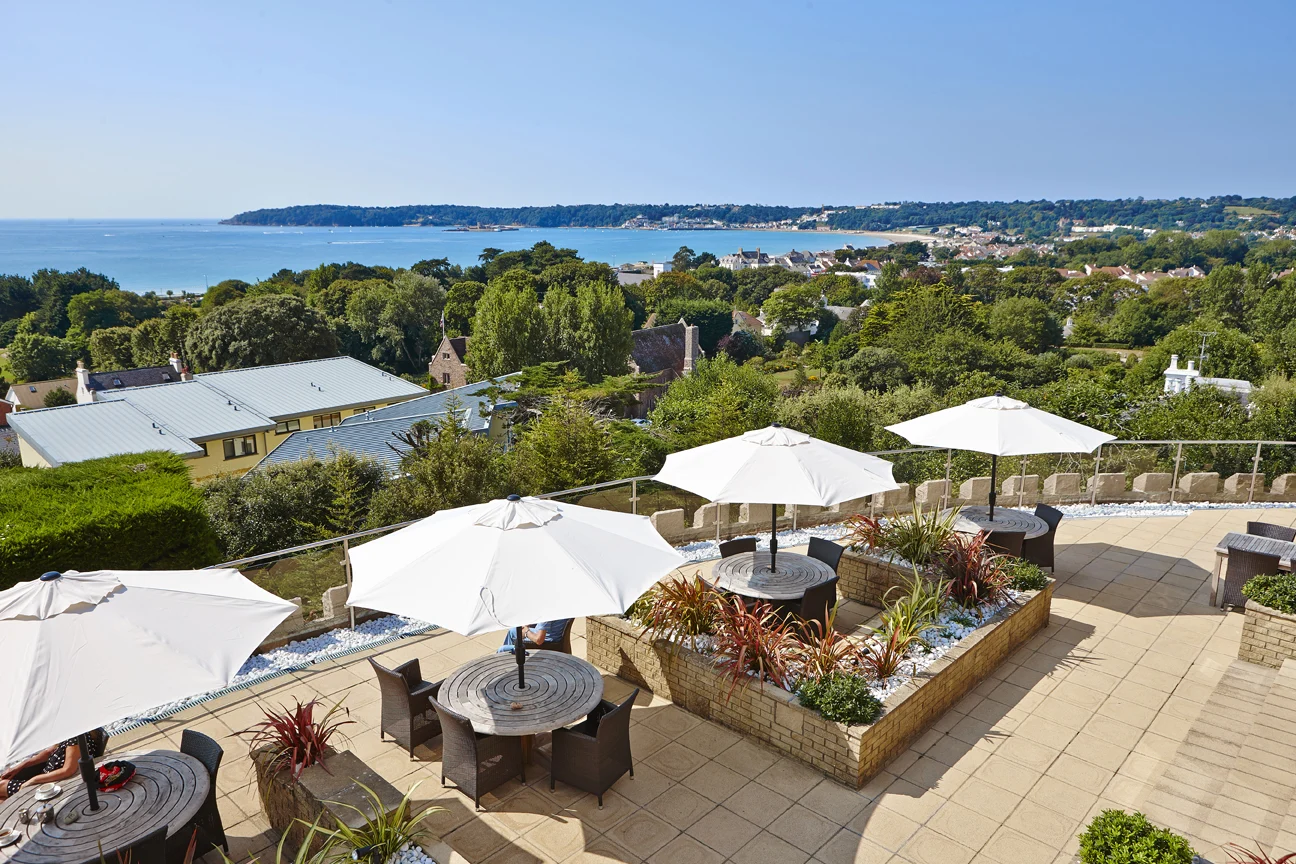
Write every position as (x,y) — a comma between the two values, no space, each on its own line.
(1097,711)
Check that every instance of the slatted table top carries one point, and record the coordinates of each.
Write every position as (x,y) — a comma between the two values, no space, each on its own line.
(972,520)
(1261,545)
(748,574)
(168,789)
(560,689)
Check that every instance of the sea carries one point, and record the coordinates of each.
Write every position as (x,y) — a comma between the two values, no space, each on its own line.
(180,255)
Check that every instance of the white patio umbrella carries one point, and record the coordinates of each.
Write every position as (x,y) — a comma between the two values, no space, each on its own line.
(776,465)
(508,563)
(81,650)
(1001,427)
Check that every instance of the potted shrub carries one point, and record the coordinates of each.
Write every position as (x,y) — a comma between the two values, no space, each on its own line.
(1117,837)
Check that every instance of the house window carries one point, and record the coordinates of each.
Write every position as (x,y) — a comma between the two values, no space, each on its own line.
(363,410)
(445,355)
(287,426)
(203,444)
(445,377)
(325,421)
(242,446)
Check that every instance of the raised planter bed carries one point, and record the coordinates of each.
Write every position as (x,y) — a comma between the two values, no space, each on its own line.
(1268,636)
(866,578)
(852,755)
(316,795)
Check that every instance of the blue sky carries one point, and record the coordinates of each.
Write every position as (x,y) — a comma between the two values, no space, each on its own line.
(205,109)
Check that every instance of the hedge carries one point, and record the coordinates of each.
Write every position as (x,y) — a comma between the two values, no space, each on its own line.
(133,512)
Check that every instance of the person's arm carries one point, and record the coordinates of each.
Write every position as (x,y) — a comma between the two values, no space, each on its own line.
(535,637)
(69,769)
(39,759)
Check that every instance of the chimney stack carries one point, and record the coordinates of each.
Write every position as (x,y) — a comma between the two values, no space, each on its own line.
(83,392)
(692,347)
(1174,363)
(175,362)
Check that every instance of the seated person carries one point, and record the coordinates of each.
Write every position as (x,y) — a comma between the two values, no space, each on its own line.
(546,633)
(51,764)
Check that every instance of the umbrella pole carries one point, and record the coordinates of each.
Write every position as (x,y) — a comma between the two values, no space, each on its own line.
(88,772)
(773,536)
(519,650)
(994,470)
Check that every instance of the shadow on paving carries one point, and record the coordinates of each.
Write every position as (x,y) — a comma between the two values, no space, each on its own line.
(1150,584)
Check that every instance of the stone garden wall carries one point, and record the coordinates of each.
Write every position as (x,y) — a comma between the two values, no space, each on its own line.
(851,755)
(1268,636)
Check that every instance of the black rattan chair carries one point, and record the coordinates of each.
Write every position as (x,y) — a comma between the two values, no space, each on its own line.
(1039,550)
(826,551)
(1275,532)
(729,548)
(1006,542)
(211,831)
(1242,566)
(149,849)
(593,754)
(564,644)
(407,713)
(818,602)
(476,763)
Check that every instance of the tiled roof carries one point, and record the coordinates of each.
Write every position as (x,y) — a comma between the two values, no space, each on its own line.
(141,377)
(32,394)
(469,395)
(74,433)
(659,348)
(312,386)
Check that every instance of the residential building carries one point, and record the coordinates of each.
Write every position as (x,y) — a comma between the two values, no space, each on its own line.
(449,365)
(1179,380)
(660,267)
(92,386)
(223,422)
(743,260)
(373,434)
(24,397)
(666,352)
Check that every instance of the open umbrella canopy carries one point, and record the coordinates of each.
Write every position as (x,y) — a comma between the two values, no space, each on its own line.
(511,563)
(777,465)
(81,650)
(1001,427)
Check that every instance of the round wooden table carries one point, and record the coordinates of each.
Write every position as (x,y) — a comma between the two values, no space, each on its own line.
(560,689)
(748,574)
(168,789)
(972,520)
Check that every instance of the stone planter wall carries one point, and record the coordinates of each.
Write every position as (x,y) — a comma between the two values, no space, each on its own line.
(851,755)
(1268,636)
(288,803)
(866,579)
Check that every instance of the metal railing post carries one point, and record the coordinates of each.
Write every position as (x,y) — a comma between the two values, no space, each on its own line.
(1093,493)
(634,497)
(1174,481)
(949,470)
(346,564)
(1255,469)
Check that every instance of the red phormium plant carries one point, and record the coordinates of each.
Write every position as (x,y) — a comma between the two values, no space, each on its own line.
(759,641)
(1238,855)
(681,609)
(295,739)
(883,655)
(823,651)
(866,531)
(975,574)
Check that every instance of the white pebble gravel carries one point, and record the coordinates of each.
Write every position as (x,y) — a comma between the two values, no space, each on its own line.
(411,853)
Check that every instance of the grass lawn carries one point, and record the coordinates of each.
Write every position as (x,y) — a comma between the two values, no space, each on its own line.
(1239,210)
(786,378)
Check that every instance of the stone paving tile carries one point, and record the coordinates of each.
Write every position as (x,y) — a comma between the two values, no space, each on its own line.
(1106,703)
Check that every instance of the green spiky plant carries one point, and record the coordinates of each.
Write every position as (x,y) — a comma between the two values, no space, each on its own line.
(382,835)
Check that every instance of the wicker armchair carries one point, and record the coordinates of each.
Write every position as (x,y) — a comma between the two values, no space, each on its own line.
(729,548)
(1275,532)
(149,849)
(407,700)
(1242,566)
(211,831)
(1006,542)
(1039,550)
(826,551)
(476,763)
(593,754)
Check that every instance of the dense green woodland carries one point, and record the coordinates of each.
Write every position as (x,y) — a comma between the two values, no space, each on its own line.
(931,335)
(1037,219)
